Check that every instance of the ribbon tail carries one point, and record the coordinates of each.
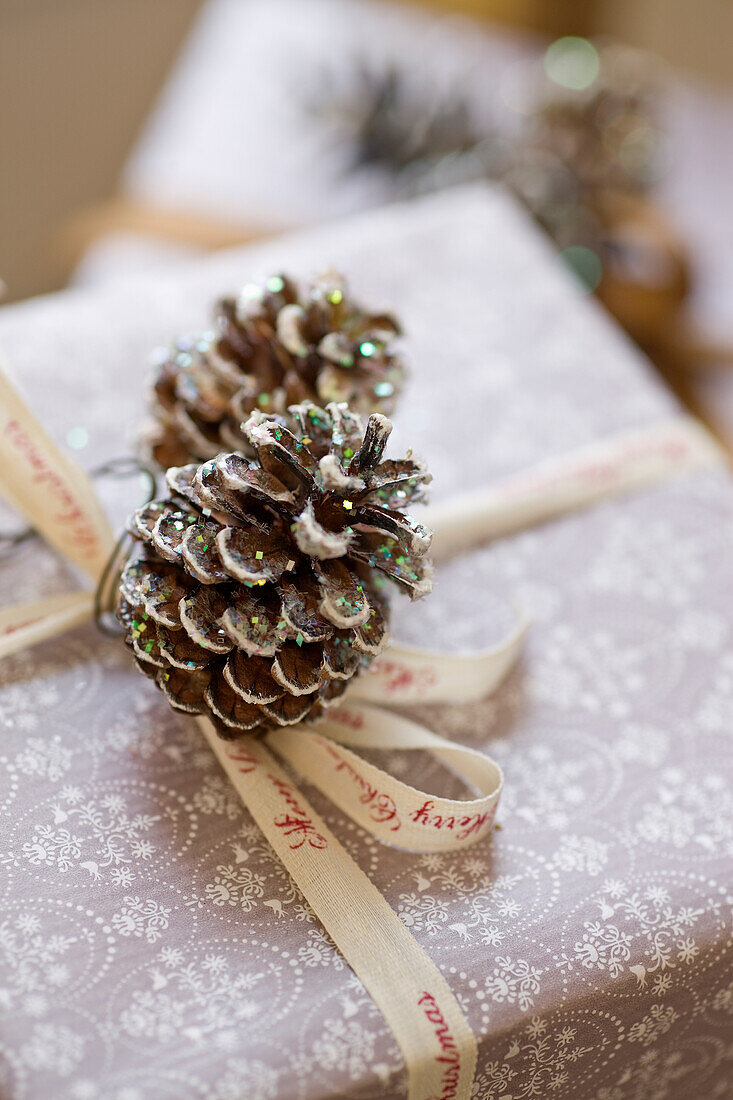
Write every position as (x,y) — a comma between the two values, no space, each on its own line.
(26,624)
(557,486)
(390,809)
(49,488)
(438,1046)
(404,674)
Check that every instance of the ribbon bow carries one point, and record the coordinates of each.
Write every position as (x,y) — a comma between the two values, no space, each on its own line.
(439,1048)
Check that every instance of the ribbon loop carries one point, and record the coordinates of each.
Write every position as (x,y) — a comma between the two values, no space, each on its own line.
(388,808)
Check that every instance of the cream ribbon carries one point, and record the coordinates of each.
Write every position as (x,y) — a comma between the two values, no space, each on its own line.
(437,1044)
(607,468)
(47,487)
(25,624)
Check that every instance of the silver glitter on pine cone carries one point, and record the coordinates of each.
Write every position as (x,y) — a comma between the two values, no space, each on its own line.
(258,589)
(275,344)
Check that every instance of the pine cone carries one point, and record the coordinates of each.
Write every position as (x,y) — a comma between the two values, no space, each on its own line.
(274,346)
(260,587)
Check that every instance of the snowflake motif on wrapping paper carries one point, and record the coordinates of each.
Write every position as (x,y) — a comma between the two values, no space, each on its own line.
(302,912)
(701,630)
(582,854)
(514,982)
(536,1064)
(493,1080)
(44,759)
(663,567)
(716,712)
(657,1022)
(100,828)
(235,884)
(261,1081)
(22,710)
(461,723)
(657,936)
(543,788)
(203,1002)
(589,670)
(217,796)
(639,744)
(422,912)
(33,965)
(688,813)
(487,909)
(400,764)
(540,599)
(53,1048)
(461,876)
(603,947)
(141,918)
(320,951)
(345,1045)
(655,1076)
(151,729)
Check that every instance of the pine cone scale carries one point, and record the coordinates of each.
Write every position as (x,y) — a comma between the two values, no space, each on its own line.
(201,618)
(253,557)
(184,691)
(230,708)
(162,594)
(251,678)
(179,650)
(199,553)
(297,668)
(299,609)
(168,533)
(252,624)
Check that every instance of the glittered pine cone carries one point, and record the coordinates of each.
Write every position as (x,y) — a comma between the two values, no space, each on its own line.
(258,589)
(274,345)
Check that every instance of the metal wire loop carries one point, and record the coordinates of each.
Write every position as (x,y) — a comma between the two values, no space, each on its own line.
(104,595)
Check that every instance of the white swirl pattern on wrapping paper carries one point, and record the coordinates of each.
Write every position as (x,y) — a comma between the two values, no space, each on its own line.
(608,744)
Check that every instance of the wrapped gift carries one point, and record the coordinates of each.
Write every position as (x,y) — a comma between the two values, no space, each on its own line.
(285,163)
(154,946)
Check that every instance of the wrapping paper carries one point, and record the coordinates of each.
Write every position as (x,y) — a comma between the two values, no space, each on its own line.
(152,946)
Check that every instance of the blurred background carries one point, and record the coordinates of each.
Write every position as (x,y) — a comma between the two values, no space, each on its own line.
(138,135)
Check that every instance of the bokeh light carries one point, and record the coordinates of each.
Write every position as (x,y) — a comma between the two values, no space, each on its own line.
(77,438)
(572,63)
